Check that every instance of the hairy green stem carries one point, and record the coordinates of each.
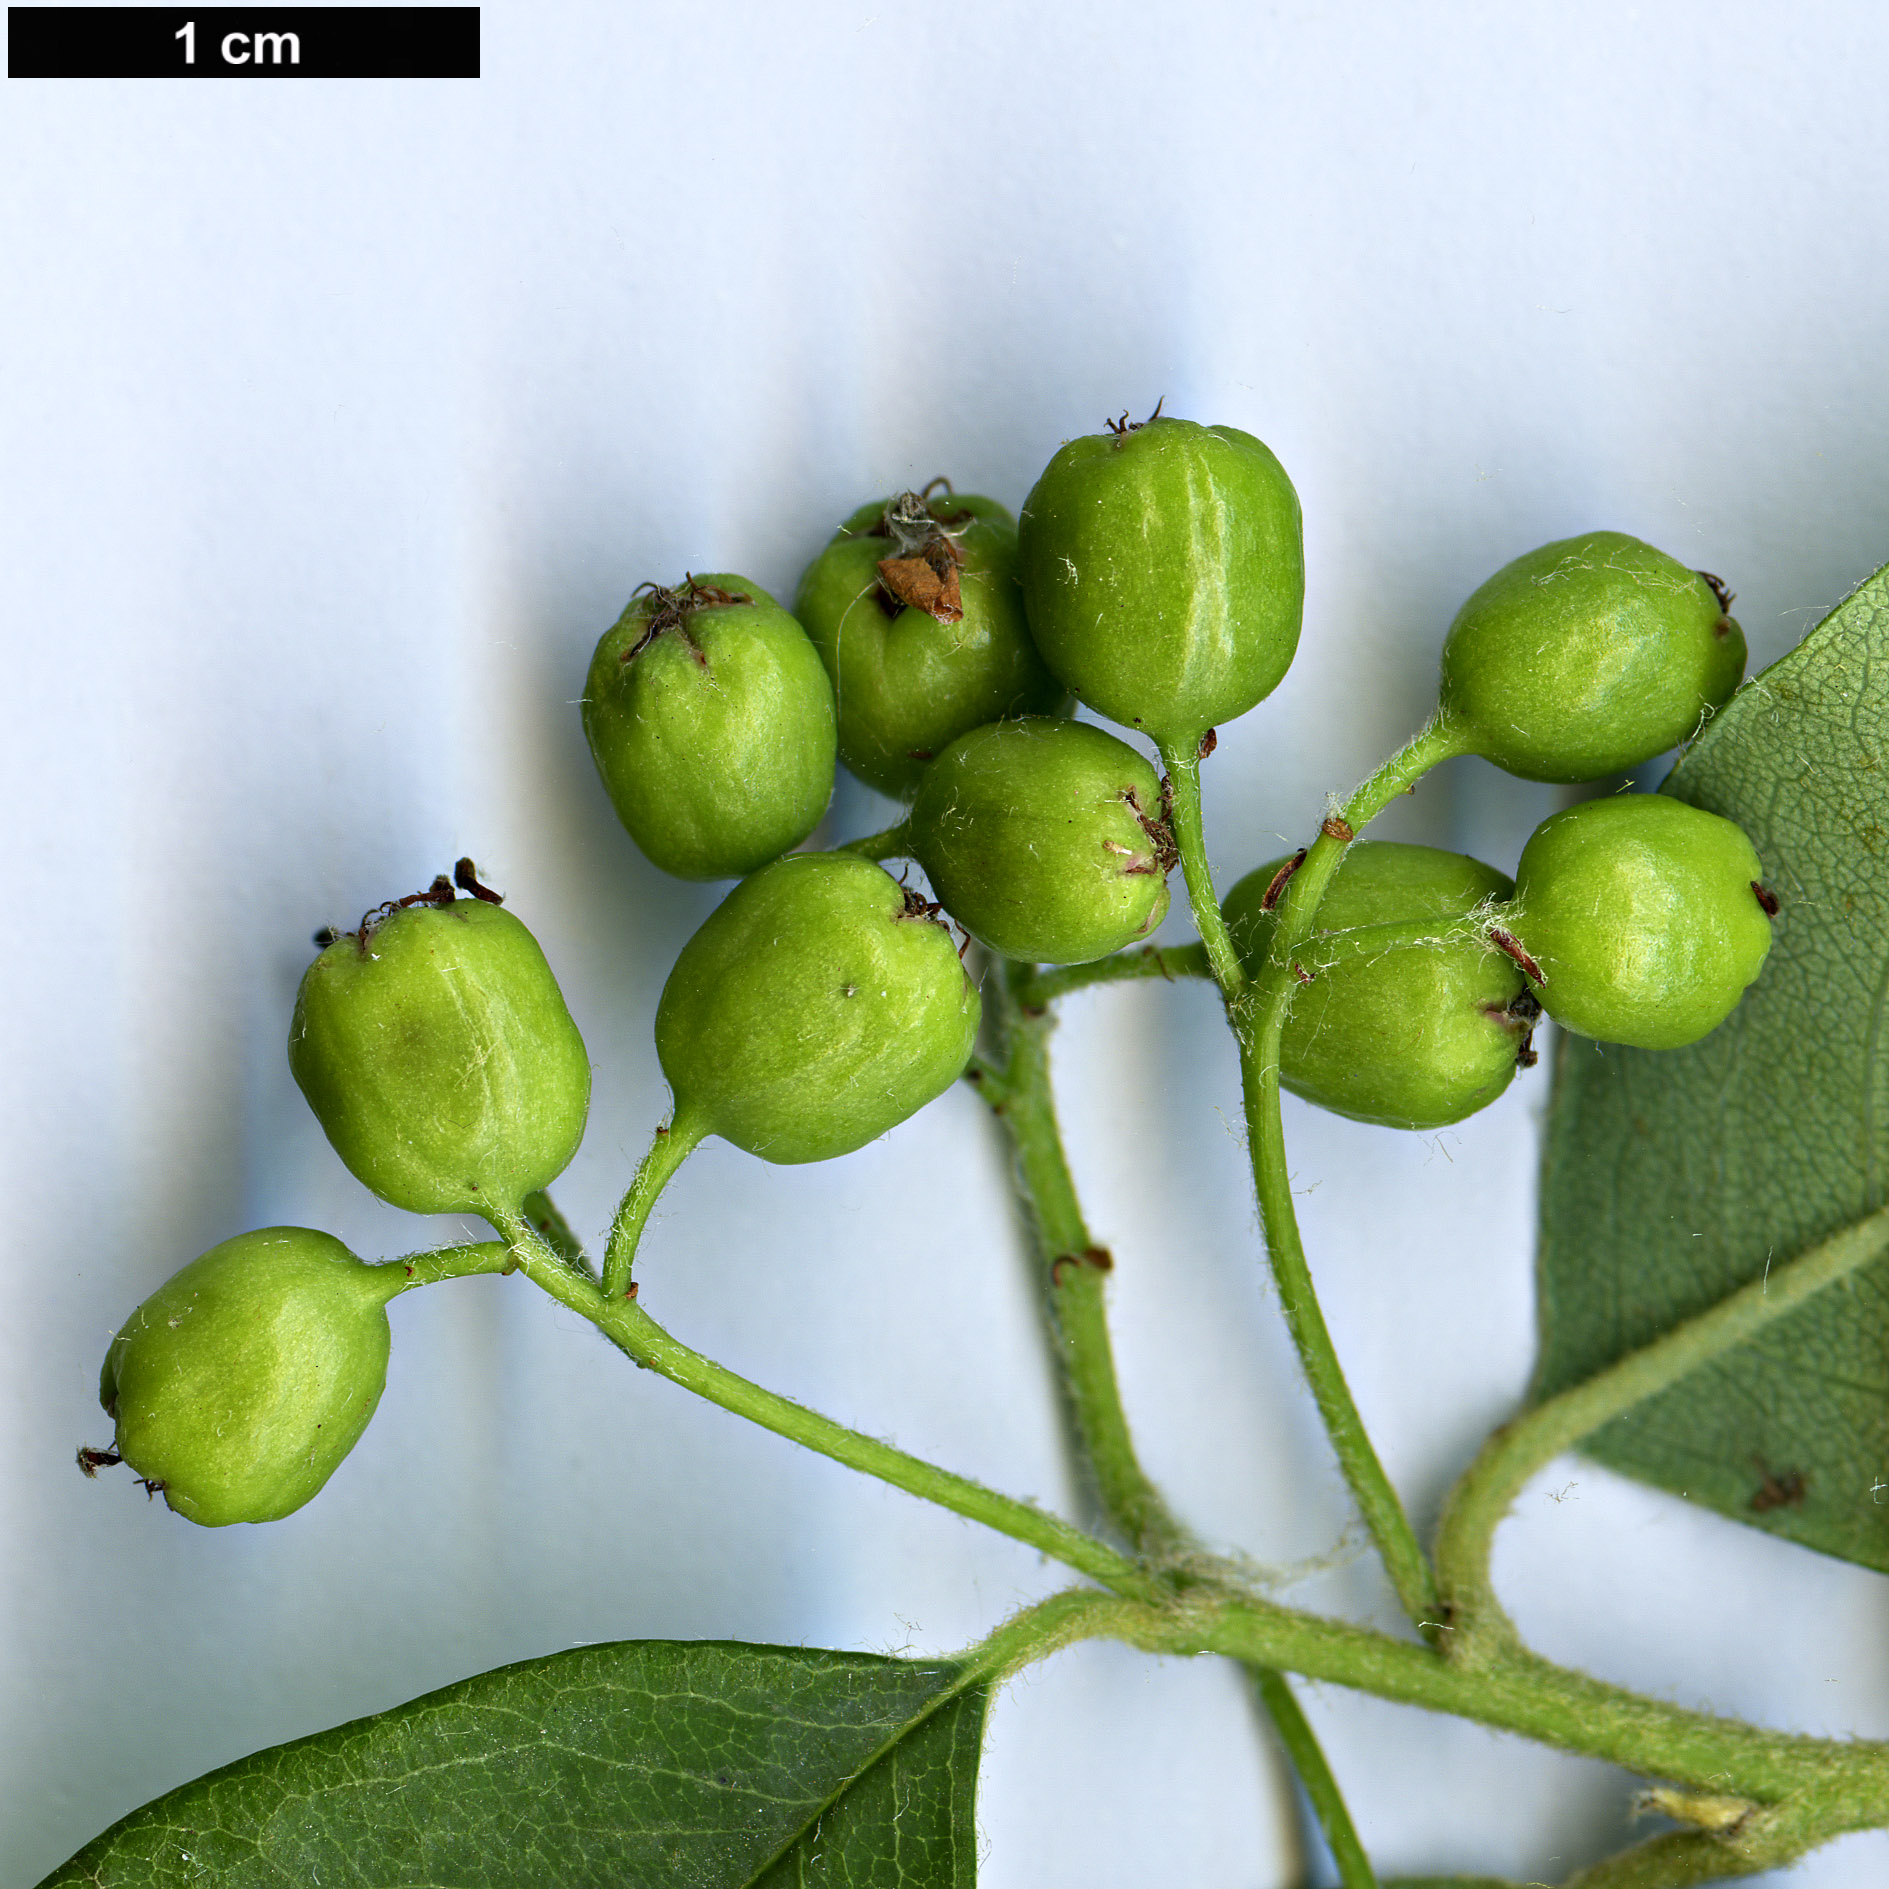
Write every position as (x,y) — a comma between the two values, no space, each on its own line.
(437,1263)
(1258,1019)
(1686,1859)
(1518,1692)
(892,843)
(1328,950)
(1322,952)
(1315,1773)
(1834,1785)
(1800,1792)
(1074,1271)
(1518,1450)
(1182,761)
(1077,1613)
(673,1145)
(542,1211)
(1041,988)
(632,1330)
(1371,1488)
(1438,741)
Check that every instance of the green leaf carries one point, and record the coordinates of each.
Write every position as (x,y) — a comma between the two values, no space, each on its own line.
(698,1763)
(1674,1177)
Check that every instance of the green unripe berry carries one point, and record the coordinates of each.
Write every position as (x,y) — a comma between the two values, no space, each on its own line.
(240,1384)
(1045,839)
(438,1056)
(1642,919)
(915,610)
(819,1005)
(710,719)
(1588,656)
(1415,1037)
(1164,575)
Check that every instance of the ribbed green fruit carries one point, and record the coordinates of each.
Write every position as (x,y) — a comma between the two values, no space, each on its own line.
(818,1006)
(1588,656)
(240,1384)
(909,680)
(1417,1037)
(1045,839)
(1164,575)
(438,1056)
(1644,918)
(710,718)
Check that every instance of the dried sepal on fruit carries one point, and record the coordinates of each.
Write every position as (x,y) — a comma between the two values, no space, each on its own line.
(1639,919)
(241,1383)
(1046,839)
(436,1050)
(1164,574)
(915,609)
(711,721)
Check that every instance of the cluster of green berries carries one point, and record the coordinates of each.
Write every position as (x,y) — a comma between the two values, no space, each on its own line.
(1155,575)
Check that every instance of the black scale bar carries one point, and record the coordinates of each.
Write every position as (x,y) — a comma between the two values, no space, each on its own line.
(242,42)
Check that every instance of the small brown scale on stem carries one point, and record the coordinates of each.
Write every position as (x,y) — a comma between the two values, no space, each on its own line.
(1099,1258)
(1280,880)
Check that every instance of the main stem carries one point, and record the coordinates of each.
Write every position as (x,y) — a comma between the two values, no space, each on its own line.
(1833,1785)
(1519,1692)
(1073,1271)
(1073,1275)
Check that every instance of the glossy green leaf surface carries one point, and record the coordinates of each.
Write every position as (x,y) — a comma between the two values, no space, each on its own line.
(1674,1176)
(709,1764)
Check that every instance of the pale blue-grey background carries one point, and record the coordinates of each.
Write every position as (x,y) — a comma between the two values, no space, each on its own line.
(339,419)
